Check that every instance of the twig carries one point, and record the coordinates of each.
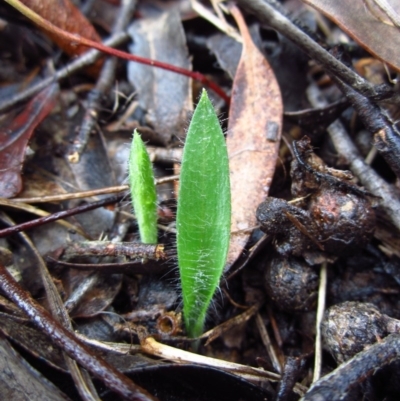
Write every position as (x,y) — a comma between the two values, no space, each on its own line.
(86,284)
(109,248)
(274,326)
(166,155)
(39,212)
(320,314)
(267,344)
(238,320)
(254,250)
(87,194)
(134,267)
(57,216)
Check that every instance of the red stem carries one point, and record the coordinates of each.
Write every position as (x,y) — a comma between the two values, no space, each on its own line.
(159,64)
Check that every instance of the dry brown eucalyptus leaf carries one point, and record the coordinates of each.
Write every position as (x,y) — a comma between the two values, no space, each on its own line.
(254,132)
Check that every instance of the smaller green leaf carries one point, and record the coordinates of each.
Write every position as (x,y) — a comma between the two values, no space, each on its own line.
(203,214)
(143,190)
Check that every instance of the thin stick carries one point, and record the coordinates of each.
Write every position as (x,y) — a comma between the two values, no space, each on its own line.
(57,216)
(42,213)
(268,344)
(320,314)
(108,248)
(87,194)
(275,328)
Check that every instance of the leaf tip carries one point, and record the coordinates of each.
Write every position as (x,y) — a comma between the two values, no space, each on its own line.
(143,191)
(204,95)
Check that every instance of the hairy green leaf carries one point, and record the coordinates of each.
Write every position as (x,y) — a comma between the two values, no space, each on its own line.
(143,190)
(203,215)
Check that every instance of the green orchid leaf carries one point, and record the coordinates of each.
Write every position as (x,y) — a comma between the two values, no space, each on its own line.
(143,190)
(203,215)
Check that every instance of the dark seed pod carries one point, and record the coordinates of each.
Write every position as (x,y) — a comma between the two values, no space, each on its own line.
(272,215)
(349,327)
(291,284)
(342,220)
(289,224)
